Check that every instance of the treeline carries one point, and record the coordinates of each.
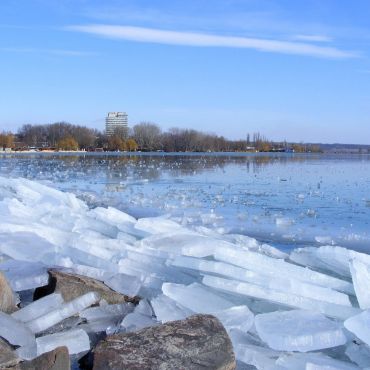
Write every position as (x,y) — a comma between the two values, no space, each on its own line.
(144,136)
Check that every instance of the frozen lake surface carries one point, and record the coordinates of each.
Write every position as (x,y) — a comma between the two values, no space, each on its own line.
(288,200)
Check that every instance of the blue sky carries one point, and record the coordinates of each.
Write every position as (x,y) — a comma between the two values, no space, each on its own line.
(295,70)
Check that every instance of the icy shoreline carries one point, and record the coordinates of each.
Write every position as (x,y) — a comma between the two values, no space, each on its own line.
(250,287)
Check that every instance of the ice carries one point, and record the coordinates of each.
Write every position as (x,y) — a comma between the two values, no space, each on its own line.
(112,310)
(166,309)
(195,297)
(359,325)
(39,308)
(359,354)
(237,317)
(280,268)
(312,361)
(156,225)
(141,318)
(285,285)
(286,299)
(298,330)
(360,272)
(24,275)
(124,284)
(15,332)
(65,310)
(75,340)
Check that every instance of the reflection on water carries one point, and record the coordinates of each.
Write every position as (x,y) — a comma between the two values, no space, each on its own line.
(284,198)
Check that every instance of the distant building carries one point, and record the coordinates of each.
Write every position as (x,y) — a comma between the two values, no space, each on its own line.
(116,123)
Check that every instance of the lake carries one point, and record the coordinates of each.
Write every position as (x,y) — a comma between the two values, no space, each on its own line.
(288,200)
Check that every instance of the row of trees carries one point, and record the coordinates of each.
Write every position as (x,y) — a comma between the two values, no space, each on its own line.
(145,136)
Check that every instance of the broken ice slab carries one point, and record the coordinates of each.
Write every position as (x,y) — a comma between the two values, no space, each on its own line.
(166,309)
(360,272)
(237,317)
(195,297)
(39,307)
(359,354)
(281,284)
(283,298)
(76,340)
(89,271)
(312,361)
(279,268)
(186,243)
(259,357)
(360,326)
(298,330)
(157,225)
(15,332)
(136,321)
(65,310)
(107,311)
(24,275)
(124,284)
(329,258)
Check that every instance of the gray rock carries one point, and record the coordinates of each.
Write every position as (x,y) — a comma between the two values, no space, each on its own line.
(199,342)
(8,356)
(72,286)
(57,359)
(7,301)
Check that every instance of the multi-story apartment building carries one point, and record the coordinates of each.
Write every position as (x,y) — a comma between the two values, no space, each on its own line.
(116,123)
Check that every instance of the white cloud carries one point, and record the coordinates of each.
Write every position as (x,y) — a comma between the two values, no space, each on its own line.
(151,35)
(313,38)
(61,52)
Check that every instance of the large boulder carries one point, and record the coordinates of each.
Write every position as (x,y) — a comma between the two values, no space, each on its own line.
(57,359)
(72,286)
(199,342)
(7,301)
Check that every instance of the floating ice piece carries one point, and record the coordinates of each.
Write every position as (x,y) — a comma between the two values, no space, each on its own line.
(166,309)
(39,308)
(75,340)
(286,299)
(15,332)
(312,361)
(360,326)
(281,284)
(361,281)
(24,275)
(237,317)
(124,284)
(195,297)
(65,310)
(280,268)
(298,330)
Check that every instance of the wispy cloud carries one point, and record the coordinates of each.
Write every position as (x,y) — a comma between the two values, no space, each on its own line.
(60,52)
(313,38)
(152,35)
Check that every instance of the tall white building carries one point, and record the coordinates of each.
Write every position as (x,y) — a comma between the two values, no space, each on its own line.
(116,123)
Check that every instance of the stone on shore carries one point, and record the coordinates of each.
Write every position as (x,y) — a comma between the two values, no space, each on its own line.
(199,342)
(57,359)
(8,356)
(7,298)
(72,286)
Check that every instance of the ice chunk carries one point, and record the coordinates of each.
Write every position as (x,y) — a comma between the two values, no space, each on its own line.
(286,299)
(195,297)
(24,275)
(75,340)
(65,310)
(39,307)
(312,361)
(237,317)
(280,268)
(359,354)
(166,309)
(157,225)
(124,284)
(281,284)
(360,326)
(259,357)
(15,332)
(107,311)
(298,330)
(361,281)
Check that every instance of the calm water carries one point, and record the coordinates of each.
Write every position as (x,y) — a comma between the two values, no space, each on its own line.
(288,200)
